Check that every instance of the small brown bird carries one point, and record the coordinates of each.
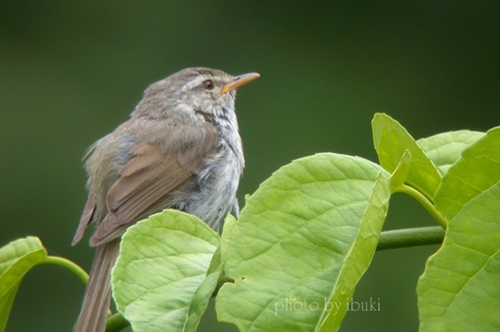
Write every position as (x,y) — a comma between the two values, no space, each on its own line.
(180,149)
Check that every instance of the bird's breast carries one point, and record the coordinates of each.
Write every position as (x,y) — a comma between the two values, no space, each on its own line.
(216,186)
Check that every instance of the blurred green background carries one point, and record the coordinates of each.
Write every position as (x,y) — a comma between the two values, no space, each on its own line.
(70,72)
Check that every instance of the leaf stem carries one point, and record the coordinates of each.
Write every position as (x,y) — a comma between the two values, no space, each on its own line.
(410,237)
(73,267)
(426,203)
(116,322)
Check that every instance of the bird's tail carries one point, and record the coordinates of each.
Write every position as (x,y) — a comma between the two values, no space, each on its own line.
(98,292)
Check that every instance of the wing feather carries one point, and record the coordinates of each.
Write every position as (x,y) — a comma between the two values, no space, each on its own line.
(147,179)
(85,219)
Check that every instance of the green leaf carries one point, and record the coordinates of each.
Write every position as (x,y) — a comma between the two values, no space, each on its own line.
(400,174)
(166,272)
(361,252)
(476,171)
(204,292)
(16,259)
(459,290)
(391,141)
(229,225)
(302,242)
(446,148)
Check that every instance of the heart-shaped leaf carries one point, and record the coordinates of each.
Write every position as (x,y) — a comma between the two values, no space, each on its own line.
(301,244)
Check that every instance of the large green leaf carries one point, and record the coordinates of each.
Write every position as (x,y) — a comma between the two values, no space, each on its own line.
(166,272)
(302,242)
(476,171)
(391,140)
(446,148)
(361,253)
(16,259)
(460,289)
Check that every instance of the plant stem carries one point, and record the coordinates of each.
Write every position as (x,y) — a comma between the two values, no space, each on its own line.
(425,203)
(116,322)
(410,237)
(73,267)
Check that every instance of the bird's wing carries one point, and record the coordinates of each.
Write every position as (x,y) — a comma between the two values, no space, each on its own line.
(147,181)
(143,186)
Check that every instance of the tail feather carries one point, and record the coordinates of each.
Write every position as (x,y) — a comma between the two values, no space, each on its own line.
(98,292)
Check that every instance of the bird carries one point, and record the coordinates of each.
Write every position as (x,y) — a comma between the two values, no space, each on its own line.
(179,149)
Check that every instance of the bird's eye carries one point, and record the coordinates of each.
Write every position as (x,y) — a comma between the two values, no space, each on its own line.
(208,84)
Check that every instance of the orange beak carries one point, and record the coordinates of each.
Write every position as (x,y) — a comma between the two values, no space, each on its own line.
(239,81)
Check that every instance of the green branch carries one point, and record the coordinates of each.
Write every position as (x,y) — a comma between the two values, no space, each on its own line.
(410,237)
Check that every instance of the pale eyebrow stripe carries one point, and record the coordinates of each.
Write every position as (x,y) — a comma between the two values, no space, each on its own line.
(191,84)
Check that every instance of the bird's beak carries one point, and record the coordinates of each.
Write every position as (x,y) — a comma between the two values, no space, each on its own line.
(239,81)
